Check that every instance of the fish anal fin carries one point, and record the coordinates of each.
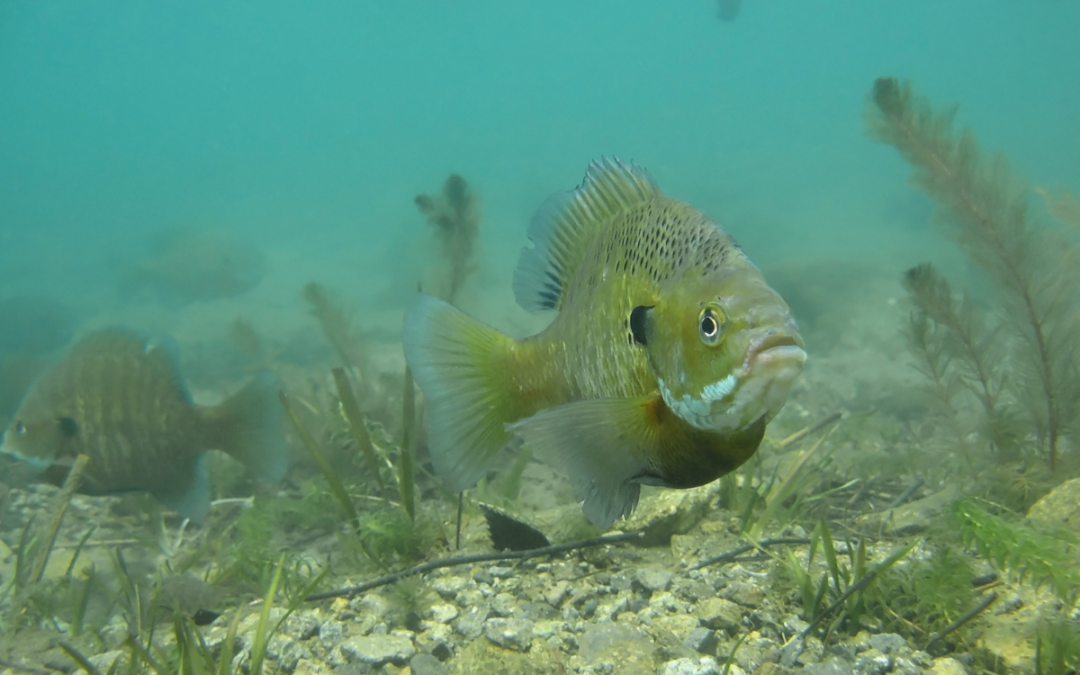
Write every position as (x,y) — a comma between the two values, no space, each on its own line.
(192,500)
(568,222)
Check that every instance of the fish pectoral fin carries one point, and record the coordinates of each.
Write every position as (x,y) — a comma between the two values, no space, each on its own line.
(607,447)
(190,500)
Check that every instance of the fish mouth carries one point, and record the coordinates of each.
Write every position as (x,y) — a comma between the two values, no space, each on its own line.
(773,346)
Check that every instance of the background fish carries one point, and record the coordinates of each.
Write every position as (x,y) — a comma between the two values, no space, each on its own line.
(120,400)
(668,356)
(196,265)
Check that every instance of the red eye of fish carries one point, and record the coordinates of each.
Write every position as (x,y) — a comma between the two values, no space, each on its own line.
(709,326)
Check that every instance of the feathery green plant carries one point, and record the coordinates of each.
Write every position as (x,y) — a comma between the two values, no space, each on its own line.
(985,209)
(1051,559)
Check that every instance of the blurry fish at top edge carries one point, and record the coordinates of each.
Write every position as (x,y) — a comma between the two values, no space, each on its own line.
(729,9)
(119,399)
(668,355)
(196,265)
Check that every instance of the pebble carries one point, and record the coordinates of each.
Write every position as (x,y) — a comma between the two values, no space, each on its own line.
(687,666)
(515,634)
(557,593)
(947,666)
(426,664)
(331,634)
(702,640)
(471,624)
(449,586)
(720,614)
(378,650)
(654,579)
(443,613)
(887,643)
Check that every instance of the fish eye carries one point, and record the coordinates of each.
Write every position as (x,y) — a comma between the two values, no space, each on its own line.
(710,325)
(19,428)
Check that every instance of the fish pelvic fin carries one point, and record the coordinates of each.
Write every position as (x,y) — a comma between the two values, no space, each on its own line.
(567,222)
(605,446)
(610,447)
(248,427)
(460,365)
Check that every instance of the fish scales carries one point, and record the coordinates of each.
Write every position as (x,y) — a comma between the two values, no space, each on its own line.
(668,356)
(119,399)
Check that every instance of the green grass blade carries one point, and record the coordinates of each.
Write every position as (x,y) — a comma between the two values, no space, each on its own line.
(407,470)
(262,633)
(351,411)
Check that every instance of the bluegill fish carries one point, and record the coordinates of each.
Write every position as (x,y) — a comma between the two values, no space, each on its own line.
(120,400)
(668,355)
(196,265)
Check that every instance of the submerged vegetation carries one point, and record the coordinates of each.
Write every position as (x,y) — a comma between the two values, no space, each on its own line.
(985,208)
(455,218)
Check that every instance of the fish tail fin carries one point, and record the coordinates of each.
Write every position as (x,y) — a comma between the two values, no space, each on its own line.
(248,427)
(460,365)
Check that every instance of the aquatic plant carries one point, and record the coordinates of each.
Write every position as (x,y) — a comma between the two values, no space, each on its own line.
(336,325)
(351,412)
(1057,648)
(455,217)
(958,352)
(407,458)
(1045,558)
(985,209)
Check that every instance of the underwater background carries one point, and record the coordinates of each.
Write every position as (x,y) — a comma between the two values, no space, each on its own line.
(190,168)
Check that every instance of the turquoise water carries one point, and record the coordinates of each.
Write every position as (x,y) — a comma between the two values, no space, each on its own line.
(308,127)
(292,138)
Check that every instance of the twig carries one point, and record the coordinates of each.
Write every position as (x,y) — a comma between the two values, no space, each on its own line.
(471,559)
(989,600)
(733,553)
(71,483)
(906,494)
(799,435)
(78,657)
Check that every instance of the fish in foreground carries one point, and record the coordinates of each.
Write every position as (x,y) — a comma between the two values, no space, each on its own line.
(668,355)
(119,399)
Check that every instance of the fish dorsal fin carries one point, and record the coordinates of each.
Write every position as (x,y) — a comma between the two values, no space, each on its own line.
(129,349)
(567,222)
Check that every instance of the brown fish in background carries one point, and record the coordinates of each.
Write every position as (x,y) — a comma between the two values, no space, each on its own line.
(120,400)
(729,10)
(196,265)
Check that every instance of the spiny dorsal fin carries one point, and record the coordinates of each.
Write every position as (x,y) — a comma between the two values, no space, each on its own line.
(567,223)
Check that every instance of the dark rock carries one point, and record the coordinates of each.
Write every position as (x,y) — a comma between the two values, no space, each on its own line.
(702,640)
(426,664)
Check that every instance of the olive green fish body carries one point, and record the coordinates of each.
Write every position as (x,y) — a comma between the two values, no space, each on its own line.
(119,400)
(668,355)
